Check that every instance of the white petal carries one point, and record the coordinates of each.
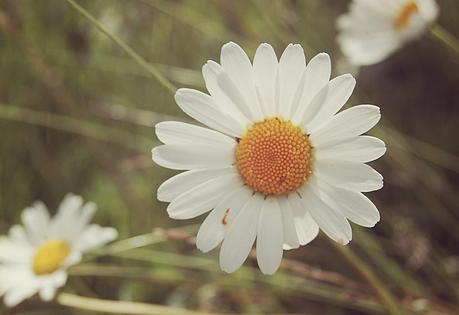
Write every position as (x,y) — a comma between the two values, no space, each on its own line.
(211,71)
(333,223)
(348,175)
(213,228)
(290,235)
(178,184)
(47,293)
(349,123)
(174,132)
(189,156)
(36,221)
(306,227)
(202,198)
(269,237)
(359,149)
(15,252)
(292,64)
(354,205)
(233,93)
(265,71)
(201,107)
(94,236)
(310,112)
(339,91)
(239,69)
(317,75)
(17,295)
(241,235)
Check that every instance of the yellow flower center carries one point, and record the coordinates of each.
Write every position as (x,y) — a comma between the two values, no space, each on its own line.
(274,157)
(50,257)
(408,10)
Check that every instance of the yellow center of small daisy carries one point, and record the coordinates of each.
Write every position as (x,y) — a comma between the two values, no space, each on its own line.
(274,157)
(50,256)
(408,10)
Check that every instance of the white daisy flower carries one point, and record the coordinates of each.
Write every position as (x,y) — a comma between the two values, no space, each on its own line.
(34,257)
(277,163)
(374,29)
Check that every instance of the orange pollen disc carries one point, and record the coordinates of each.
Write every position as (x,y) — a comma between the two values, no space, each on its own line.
(405,14)
(274,157)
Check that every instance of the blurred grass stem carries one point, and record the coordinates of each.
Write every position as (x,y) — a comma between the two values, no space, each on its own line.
(119,307)
(384,293)
(446,37)
(140,60)
(74,125)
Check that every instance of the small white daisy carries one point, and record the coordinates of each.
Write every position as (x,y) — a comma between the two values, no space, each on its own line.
(374,29)
(278,161)
(34,257)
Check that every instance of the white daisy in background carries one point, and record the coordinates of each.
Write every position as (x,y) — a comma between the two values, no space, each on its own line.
(34,257)
(277,163)
(374,29)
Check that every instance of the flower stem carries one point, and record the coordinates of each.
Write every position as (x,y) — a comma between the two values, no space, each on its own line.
(446,37)
(119,307)
(140,60)
(386,296)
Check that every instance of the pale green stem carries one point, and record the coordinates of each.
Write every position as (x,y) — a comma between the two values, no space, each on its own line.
(120,307)
(73,125)
(140,60)
(446,37)
(388,300)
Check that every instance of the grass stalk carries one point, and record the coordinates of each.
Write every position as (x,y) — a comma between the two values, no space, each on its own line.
(445,37)
(75,126)
(156,74)
(384,293)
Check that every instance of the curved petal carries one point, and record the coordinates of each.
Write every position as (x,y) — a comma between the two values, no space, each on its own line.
(189,156)
(241,235)
(201,107)
(178,184)
(359,149)
(290,235)
(354,205)
(202,198)
(265,71)
(239,69)
(93,236)
(174,132)
(269,236)
(348,175)
(36,221)
(317,75)
(213,229)
(306,227)
(339,91)
(333,223)
(292,65)
(211,72)
(349,123)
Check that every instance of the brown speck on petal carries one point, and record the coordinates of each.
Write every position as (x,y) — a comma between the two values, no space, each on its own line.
(225,217)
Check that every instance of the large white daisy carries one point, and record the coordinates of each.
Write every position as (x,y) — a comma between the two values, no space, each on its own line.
(374,29)
(34,257)
(277,161)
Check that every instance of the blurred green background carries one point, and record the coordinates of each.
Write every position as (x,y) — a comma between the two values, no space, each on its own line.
(77,115)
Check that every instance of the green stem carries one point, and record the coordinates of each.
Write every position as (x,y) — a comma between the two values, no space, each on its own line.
(74,125)
(119,307)
(446,37)
(140,60)
(384,293)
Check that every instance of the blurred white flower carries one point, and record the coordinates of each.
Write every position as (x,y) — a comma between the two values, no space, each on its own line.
(34,257)
(374,29)
(277,163)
